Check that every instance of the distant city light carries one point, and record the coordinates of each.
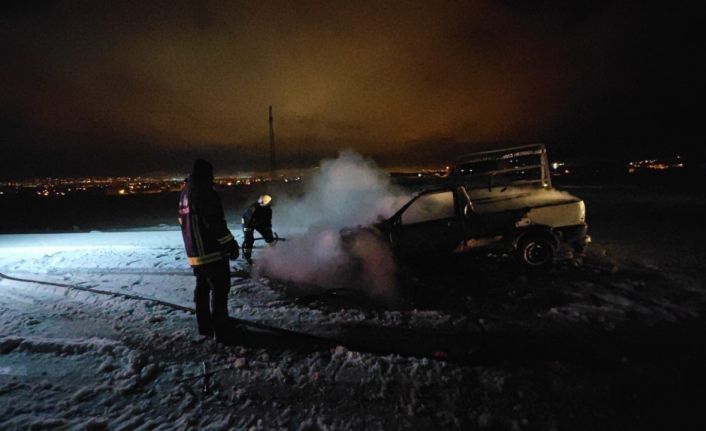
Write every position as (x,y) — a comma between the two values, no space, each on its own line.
(656,164)
(121,186)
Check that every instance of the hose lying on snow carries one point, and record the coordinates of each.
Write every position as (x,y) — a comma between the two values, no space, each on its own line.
(254,325)
(100,292)
(190,310)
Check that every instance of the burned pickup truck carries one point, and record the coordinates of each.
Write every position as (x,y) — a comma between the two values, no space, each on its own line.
(499,201)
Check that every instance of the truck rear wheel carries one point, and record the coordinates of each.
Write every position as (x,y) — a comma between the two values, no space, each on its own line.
(536,252)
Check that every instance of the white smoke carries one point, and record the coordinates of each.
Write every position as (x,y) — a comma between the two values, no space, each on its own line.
(346,192)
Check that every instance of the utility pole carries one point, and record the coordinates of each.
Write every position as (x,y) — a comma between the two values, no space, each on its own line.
(273,158)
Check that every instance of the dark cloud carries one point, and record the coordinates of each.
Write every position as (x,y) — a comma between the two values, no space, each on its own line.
(385,78)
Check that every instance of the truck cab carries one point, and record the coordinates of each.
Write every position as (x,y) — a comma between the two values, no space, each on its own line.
(432,221)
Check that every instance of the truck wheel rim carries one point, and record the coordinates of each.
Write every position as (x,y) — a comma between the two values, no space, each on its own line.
(536,253)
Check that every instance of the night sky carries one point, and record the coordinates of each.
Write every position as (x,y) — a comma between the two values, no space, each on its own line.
(98,87)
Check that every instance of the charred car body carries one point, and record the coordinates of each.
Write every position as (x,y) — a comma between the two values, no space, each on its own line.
(499,200)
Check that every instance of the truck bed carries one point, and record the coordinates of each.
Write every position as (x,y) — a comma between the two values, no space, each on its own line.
(497,200)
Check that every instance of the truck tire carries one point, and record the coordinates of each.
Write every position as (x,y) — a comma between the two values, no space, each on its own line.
(536,251)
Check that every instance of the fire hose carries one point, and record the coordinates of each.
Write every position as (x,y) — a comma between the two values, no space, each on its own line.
(277,238)
(319,340)
(184,308)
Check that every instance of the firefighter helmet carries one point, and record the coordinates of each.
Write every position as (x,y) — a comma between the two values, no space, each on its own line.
(264,200)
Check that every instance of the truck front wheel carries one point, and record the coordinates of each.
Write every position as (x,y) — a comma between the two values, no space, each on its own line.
(536,252)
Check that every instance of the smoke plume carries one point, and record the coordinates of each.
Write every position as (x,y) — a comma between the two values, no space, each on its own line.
(347,191)
(329,246)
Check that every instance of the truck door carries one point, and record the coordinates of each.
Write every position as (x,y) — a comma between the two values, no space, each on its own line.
(429,224)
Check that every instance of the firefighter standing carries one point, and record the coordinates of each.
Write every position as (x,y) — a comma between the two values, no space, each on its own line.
(258,217)
(208,244)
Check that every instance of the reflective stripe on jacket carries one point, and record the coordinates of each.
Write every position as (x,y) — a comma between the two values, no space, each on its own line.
(203,225)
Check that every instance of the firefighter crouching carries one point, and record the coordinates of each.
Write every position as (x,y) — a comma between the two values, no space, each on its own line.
(258,217)
(209,244)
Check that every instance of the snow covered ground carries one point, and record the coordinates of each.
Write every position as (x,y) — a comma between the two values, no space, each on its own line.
(610,345)
(77,359)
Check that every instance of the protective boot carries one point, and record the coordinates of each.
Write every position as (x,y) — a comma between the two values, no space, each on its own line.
(247,254)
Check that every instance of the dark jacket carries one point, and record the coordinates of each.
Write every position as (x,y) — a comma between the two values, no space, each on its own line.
(257,216)
(203,225)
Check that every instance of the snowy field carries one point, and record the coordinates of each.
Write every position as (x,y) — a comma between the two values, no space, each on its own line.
(617,343)
(78,359)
